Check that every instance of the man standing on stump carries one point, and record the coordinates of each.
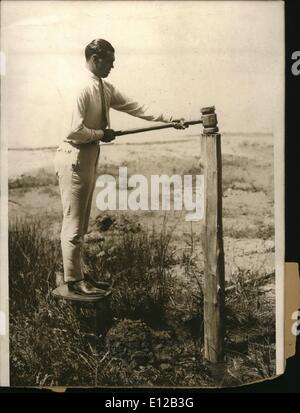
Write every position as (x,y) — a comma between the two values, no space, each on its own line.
(77,157)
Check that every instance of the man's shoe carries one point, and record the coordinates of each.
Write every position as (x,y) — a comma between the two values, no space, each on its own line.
(102,285)
(83,287)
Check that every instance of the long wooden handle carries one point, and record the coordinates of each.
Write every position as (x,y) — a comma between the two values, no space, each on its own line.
(167,125)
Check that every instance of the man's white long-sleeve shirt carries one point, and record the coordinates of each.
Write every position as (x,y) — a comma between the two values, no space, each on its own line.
(90,114)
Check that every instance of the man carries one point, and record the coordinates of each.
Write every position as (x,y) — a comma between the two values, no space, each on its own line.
(76,159)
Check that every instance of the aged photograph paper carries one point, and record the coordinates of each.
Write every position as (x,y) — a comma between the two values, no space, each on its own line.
(142,170)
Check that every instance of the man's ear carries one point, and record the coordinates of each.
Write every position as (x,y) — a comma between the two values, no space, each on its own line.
(95,58)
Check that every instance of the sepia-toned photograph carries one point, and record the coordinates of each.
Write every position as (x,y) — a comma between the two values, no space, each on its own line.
(142,147)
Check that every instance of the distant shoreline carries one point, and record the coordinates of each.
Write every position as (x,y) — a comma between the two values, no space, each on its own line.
(150,142)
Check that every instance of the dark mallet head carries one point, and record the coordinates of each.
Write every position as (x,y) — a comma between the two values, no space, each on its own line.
(209,119)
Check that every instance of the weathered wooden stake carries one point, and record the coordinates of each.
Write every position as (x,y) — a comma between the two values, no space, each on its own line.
(212,240)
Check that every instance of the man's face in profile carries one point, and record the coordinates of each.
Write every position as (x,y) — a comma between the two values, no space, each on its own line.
(105,64)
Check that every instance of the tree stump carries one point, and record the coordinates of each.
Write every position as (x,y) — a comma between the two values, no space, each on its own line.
(99,304)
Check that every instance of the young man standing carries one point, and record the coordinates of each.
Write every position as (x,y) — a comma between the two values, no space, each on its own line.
(77,157)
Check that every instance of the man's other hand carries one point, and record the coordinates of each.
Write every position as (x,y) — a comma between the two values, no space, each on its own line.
(109,135)
(179,124)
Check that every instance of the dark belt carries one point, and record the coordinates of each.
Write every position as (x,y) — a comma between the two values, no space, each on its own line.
(82,145)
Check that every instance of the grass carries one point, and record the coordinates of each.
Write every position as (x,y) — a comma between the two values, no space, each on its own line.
(257,229)
(156,336)
(33,260)
(43,177)
(140,263)
(246,174)
(156,331)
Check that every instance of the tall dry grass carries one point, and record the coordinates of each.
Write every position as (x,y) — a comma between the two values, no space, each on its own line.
(156,337)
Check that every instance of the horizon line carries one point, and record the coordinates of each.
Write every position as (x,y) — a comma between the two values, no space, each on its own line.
(53,147)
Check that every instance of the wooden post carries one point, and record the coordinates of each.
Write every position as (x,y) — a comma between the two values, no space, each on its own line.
(212,240)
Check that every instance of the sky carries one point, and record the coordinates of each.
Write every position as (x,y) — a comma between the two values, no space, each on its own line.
(177,55)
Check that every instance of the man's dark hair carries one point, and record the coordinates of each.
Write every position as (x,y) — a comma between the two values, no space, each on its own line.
(99,47)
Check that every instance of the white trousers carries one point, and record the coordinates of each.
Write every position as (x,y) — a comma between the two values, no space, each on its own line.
(76,167)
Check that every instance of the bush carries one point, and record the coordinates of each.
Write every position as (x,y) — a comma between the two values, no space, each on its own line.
(42,177)
(140,264)
(131,341)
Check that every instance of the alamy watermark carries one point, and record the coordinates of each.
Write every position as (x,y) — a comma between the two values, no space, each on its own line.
(296,324)
(296,64)
(139,193)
